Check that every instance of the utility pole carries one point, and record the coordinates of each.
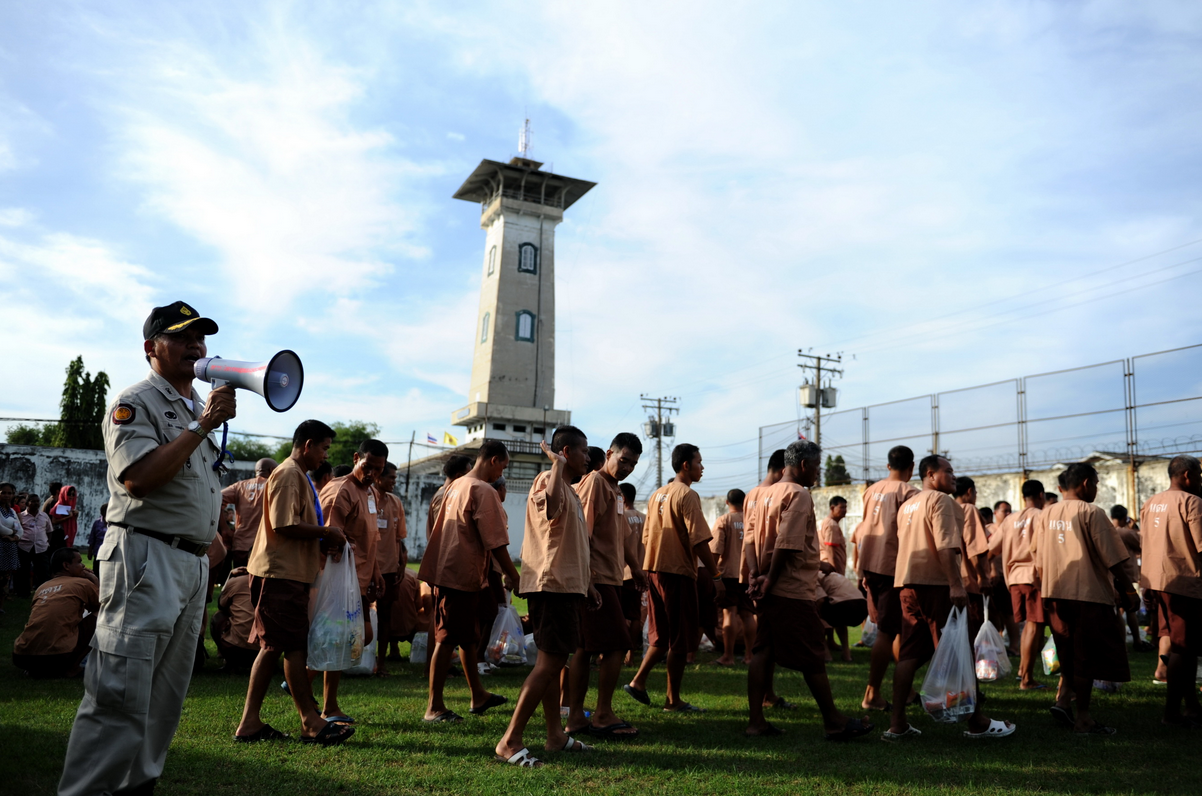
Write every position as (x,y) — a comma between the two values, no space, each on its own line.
(657,428)
(820,365)
(409,464)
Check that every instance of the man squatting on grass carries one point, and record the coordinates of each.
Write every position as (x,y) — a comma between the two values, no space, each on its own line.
(285,558)
(784,585)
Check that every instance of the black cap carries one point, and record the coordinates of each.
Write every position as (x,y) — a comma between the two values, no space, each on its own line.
(173,319)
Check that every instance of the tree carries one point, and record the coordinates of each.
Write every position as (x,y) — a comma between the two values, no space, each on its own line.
(349,436)
(22,434)
(85,400)
(246,449)
(836,472)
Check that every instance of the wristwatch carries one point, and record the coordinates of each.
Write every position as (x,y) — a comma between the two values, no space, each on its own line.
(196,429)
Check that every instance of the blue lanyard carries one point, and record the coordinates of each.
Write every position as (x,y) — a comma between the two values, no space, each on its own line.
(316,501)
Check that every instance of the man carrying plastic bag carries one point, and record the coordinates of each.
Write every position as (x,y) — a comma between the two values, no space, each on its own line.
(507,642)
(992,661)
(929,537)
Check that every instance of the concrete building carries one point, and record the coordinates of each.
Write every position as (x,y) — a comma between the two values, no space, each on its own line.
(511,396)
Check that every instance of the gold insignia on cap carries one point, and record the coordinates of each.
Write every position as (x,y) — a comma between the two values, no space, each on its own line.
(184,309)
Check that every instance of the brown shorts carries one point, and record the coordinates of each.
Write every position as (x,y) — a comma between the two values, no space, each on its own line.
(792,631)
(1000,609)
(1027,604)
(672,614)
(555,621)
(1090,640)
(632,601)
(884,603)
(457,616)
(849,613)
(924,613)
(606,629)
(1182,616)
(707,606)
(281,622)
(1156,627)
(735,596)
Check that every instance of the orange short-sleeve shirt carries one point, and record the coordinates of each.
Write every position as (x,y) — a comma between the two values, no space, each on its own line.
(470,523)
(288,500)
(785,521)
(675,525)
(54,617)
(1171,524)
(727,543)
(833,546)
(635,521)
(1017,560)
(390,523)
(247,499)
(353,507)
(975,543)
(877,532)
(604,516)
(555,548)
(1075,546)
(927,523)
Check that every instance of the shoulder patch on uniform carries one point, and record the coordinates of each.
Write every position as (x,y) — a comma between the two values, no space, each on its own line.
(169,415)
(124,413)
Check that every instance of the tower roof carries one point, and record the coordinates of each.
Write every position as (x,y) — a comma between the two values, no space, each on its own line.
(522,179)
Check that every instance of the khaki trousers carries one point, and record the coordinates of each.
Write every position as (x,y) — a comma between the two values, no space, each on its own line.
(151,610)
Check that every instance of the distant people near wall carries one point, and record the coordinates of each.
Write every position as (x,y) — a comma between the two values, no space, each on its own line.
(247,499)
(341,471)
(1050,498)
(11,532)
(96,537)
(33,548)
(231,623)
(832,550)
(1128,531)
(58,635)
(63,518)
(51,496)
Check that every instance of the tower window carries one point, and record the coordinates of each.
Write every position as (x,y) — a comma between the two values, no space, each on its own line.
(492,260)
(484,327)
(528,258)
(525,326)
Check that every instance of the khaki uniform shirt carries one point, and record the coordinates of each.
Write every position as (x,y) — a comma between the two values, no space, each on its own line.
(785,521)
(353,507)
(1075,545)
(149,414)
(604,516)
(1017,559)
(555,548)
(926,523)
(288,500)
(877,532)
(727,544)
(1171,524)
(975,543)
(675,525)
(470,523)
(54,618)
(247,499)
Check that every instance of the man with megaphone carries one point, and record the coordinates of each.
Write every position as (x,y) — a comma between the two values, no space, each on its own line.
(163,512)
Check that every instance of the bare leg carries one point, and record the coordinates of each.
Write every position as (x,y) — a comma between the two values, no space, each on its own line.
(440,664)
(675,667)
(903,682)
(1163,646)
(728,637)
(1032,643)
(330,700)
(541,686)
(1014,634)
(467,657)
(578,677)
(841,632)
(1182,670)
(1083,686)
(749,627)
(261,674)
(820,688)
(607,681)
(758,674)
(653,656)
(882,656)
(302,694)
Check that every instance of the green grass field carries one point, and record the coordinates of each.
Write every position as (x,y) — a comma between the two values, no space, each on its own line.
(393,752)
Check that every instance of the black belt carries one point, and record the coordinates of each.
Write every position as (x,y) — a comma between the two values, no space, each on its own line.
(195,548)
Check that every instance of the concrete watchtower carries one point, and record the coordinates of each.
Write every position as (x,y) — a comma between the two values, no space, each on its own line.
(512,392)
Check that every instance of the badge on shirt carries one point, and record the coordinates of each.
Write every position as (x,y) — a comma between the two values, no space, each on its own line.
(124,414)
(621,504)
(371,504)
(381,523)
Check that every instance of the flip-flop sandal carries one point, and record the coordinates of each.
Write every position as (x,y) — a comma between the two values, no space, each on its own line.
(493,701)
(782,704)
(886,709)
(612,731)
(450,717)
(996,729)
(685,707)
(572,745)
(910,732)
(853,729)
(1063,716)
(330,735)
(522,759)
(772,731)
(637,694)
(265,733)
(339,719)
(1098,728)
(1159,682)
(1036,687)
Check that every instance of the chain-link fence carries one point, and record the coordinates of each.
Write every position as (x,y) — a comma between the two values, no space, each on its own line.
(1132,408)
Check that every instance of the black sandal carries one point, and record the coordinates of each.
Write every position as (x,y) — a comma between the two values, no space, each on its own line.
(494,700)
(853,729)
(331,735)
(265,733)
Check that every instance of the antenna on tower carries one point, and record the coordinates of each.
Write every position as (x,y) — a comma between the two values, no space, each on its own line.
(524,141)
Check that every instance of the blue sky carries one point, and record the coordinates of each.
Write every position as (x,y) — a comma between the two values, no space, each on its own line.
(899,182)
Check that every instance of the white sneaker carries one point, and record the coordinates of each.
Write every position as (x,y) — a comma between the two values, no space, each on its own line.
(484,668)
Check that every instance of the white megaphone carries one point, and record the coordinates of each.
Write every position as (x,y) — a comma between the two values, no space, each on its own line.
(279,379)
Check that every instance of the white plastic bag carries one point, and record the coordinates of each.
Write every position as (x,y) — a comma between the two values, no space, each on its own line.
(507,642)
(868,634)
(991,658)
(417,650)
(367,661)
(531,650)
(336,617)
(1051,661)
(949,692)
